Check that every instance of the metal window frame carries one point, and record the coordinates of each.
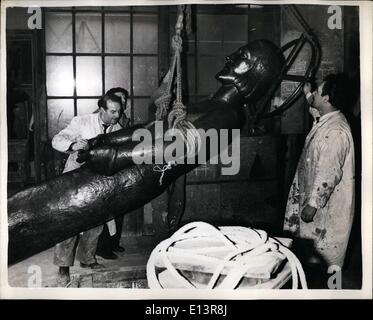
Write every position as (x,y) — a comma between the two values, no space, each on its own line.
(196,96)
(103,11)
(193,96)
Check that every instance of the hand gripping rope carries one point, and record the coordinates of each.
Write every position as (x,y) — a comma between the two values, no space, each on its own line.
(242,247)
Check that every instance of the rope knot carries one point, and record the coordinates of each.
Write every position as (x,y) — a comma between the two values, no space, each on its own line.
(177,114)
(177,43)
(162,103)
(179,106)
(163,169)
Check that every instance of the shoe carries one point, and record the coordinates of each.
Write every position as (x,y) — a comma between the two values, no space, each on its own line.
(94,265)
(63,280)
(107,256)
(118,249)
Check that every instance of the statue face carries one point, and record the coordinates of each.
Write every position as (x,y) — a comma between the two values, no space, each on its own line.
(252,69)
(236,65)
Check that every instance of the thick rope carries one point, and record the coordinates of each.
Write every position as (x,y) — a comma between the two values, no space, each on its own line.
(177,115)
(243,247)
(192,140)
(163,101)
(178,112)
(190,135)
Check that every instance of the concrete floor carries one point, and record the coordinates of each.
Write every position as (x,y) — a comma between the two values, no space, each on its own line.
(128,271)
(130,263)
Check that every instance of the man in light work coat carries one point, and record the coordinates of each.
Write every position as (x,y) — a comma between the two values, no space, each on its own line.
(321,199)
(109,241)
(70,140)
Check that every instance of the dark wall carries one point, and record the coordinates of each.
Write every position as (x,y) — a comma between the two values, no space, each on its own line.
(295,120)
(16,18)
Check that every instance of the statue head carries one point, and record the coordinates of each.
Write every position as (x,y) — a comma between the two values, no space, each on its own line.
(252,69)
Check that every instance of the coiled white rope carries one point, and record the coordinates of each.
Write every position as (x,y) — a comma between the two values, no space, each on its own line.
(242,247)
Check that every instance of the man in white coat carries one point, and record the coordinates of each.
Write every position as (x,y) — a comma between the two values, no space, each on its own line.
(109,241)
(320,205)
(70,140)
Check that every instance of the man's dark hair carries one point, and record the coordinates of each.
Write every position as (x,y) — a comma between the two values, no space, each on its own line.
(118,89)
(337,87)
(102,103)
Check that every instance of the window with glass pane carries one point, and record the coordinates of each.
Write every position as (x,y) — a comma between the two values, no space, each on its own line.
(60,113)
(145,33)
(60,78)
(210,33)
(117,72)
(88,32)
(88,76)
(92,50)
(220,30)
(87,106)
(141,110)
(145,75)
(117,33)
(58,32)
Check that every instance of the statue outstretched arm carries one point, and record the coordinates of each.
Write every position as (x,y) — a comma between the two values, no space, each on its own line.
(120,150)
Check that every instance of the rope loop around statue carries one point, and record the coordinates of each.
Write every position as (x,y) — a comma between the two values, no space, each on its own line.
(177,116)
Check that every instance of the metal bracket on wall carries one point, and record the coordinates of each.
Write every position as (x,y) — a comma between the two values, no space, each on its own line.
(262,111)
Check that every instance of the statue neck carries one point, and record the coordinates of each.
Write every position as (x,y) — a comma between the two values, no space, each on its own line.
(228,94)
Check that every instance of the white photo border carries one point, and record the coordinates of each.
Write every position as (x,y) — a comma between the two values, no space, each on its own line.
(366,31)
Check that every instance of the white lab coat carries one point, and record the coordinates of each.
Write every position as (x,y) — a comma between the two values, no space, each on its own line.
(81,127)
(325,180)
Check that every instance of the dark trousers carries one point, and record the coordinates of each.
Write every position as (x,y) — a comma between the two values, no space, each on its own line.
(107,243)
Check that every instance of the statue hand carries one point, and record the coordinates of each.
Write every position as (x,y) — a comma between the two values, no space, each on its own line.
(97,141)
(101,160)
(83,156)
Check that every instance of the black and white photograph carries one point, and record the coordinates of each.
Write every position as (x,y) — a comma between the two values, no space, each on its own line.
(186,149)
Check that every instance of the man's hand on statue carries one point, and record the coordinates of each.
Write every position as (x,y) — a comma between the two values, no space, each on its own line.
(98,141)
(81,144)
(308,213)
